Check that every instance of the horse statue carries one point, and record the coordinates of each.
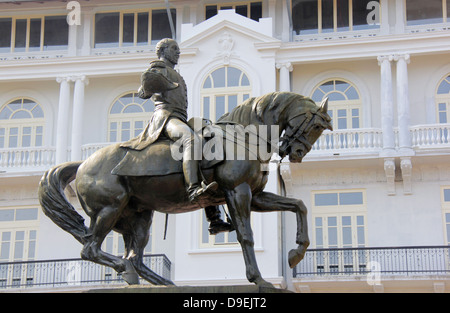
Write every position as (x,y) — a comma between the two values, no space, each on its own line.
(126,204)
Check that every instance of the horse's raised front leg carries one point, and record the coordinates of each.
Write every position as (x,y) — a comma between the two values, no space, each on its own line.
(238,201)
(135,230)
(269,202)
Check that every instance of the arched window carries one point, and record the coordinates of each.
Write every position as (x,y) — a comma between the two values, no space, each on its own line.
(128,117)
(21,124)
(344,103)
(223,90)
(443,100)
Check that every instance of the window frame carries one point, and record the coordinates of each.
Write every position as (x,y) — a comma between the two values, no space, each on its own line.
(15,226)
(120,118)
(335,105)
(445,18)
(28,19)
(445,215)
(442,98)
(340,210)
(335,29)
(229,238)
(32,122)
(135,27)
(212,93)
(233,5)
(330,262)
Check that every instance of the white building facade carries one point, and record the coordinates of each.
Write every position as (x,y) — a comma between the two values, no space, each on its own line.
(377,188)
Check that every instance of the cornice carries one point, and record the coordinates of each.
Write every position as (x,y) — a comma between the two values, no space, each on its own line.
(90,66)
(364,48)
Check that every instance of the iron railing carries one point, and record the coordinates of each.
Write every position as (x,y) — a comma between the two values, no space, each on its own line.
(423,260)
(70,272)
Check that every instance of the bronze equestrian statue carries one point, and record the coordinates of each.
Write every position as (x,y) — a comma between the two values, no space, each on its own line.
(120,188)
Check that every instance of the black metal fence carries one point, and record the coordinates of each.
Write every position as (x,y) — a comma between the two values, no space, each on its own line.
(70,272)
(424,260)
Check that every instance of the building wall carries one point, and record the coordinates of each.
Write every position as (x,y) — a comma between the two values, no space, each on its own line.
(403,189)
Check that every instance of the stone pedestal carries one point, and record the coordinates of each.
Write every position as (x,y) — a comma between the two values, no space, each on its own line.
(189,289)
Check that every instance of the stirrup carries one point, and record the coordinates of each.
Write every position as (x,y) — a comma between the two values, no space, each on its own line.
(194,195)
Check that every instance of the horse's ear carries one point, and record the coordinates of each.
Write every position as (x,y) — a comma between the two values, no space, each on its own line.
(324,105)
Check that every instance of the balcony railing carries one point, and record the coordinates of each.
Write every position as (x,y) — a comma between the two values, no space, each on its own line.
(70,272)
(27,158)
(406,261)
(357,141)
(430,136)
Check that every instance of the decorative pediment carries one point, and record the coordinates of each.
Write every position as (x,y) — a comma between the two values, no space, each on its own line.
(223,28)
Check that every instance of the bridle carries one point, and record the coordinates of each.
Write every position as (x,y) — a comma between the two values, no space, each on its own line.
(292,135)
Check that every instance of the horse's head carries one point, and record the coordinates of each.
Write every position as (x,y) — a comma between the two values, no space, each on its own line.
(302,131)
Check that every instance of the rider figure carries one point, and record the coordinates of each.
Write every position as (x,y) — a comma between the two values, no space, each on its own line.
(169,93)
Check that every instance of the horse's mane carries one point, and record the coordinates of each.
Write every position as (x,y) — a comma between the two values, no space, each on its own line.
(274,103)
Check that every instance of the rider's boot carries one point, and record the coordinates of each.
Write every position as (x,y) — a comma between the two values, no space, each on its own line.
(195,189)
(217,225)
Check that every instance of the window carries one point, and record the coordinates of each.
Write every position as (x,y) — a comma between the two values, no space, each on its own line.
(326,16)
(128,117)
(433,11)
(344,103)
(29,34)
(18,238)
(443,100)
(207,240)
(22,124)
(223,90)
(122,29)
(339,221)
(251,10)
(445,196)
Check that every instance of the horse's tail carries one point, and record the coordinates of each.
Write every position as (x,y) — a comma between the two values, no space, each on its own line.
(55,204)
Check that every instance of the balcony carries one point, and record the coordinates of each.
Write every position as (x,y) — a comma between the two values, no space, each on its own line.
(405,261)
(430,139)
(69,273)
(386,269)
(349,141)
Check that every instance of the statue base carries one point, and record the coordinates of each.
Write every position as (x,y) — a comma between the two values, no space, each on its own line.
(189,289)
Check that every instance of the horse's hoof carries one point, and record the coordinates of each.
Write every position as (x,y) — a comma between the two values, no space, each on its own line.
(264,284)
(131,278)
(294,257)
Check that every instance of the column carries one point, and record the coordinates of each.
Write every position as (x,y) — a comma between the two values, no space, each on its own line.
(387,106)
(285,80)
(77,117)
(404,135)
(63,120)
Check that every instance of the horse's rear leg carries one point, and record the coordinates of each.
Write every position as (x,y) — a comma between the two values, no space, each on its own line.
(101,225)
(135,230)
(269,202)
(238,201)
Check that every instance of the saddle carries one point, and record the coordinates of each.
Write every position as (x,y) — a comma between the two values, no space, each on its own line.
(158,159)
